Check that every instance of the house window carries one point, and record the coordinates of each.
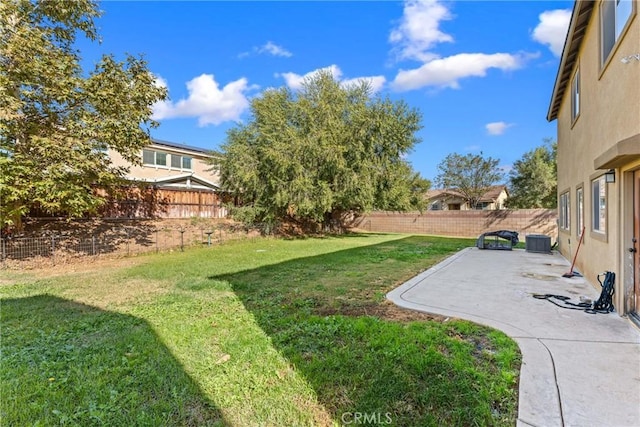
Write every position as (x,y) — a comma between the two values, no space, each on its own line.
(176,161)
(599,205)
(186,162)
(579,210)
(614,15)
(575,96)
(565,211)
(180,162)
(161,158)
(482,206)
(154,158)
(148,157)
(453,206)
(158,158)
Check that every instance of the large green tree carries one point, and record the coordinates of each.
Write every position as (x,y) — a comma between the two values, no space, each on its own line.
(322,153)
(533,180)
(471,175)
(56,120)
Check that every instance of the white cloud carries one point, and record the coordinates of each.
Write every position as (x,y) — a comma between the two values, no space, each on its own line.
(552,29)
(497,128)
(446,72)
(472,148)
(419,29)
(269,48)
(275,50)
(207,101)
(295,81)
(159,81)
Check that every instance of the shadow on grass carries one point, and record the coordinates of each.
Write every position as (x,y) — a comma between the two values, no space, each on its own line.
(327,315)
(69,363)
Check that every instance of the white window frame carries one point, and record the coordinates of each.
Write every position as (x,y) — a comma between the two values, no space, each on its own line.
(190,167)
(599,205)
(168,161)
(575,96)
(614,17)
(155,158)
(579,210)
(564,216)
(181,162)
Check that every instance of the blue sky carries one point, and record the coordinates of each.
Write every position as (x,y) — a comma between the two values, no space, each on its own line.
(480,72)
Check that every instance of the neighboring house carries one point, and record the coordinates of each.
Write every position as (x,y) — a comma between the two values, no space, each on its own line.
(182,177)
(596,102)
(452,200)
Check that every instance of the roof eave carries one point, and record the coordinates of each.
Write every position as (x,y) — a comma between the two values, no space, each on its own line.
(182,147)
(580,17)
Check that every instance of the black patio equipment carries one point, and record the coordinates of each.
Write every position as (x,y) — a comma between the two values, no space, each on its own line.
(490,240)
(604,304)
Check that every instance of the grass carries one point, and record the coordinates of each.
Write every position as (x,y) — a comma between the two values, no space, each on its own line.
(265,332)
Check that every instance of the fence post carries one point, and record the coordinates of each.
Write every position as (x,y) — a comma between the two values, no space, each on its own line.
(93,245)
(182,240)
(53,250)
(127,230)
(2,250)
(156,240)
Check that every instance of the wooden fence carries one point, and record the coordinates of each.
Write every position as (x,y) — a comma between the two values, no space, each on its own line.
(164,203)
(187,204)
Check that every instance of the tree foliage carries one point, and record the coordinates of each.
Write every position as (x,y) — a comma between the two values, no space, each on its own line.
(323,152)
(533,180)
(55,119)
(471,175)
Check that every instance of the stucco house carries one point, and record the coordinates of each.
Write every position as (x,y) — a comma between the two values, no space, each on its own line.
(181,176)
(451,199)
(596,103)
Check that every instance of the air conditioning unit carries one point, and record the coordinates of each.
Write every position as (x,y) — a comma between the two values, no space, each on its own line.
(538,243)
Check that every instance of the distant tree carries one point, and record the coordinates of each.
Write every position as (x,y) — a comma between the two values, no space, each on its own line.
(321,153)
(533,181)
(470,175)
(55,119)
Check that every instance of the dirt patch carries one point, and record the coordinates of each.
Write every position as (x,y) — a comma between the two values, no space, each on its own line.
(77,265)
(105,295)
(386,310)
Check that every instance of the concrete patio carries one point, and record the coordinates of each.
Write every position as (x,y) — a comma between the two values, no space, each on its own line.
(578,369)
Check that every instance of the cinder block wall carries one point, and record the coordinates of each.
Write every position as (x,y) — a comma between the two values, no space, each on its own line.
(463,223)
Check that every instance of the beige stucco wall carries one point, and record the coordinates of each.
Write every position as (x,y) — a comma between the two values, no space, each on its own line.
(199,165)
(462,223)
(500,202)
(609,113)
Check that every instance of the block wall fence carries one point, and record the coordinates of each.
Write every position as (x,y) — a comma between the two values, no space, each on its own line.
(463,223)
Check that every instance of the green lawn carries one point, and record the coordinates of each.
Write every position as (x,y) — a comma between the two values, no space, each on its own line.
(264,332)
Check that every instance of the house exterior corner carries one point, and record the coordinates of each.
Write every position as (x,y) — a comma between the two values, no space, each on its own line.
(596,104)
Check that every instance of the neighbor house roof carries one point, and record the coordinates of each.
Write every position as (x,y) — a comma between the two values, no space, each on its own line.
(491,195)
(180,146)
(577,28)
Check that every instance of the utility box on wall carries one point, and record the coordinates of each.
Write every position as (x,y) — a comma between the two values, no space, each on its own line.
(538,243)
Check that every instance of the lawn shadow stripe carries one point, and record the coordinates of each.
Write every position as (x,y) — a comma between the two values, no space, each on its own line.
(69,363)
(362,356)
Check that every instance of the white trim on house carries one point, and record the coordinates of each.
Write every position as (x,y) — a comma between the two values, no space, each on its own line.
(191,181)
